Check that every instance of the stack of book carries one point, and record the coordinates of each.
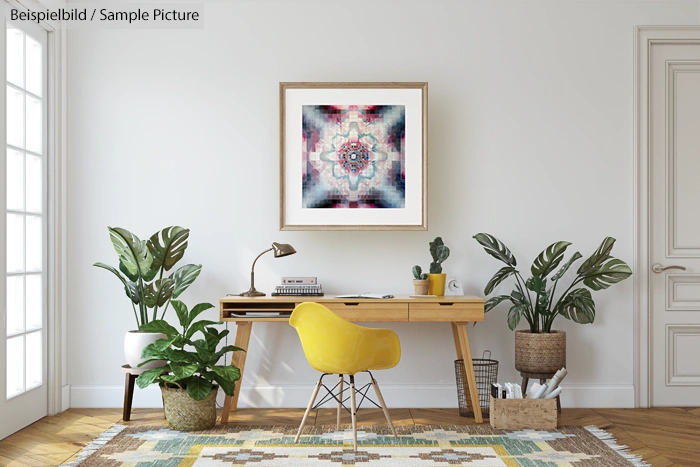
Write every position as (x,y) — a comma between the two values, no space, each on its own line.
(298,286)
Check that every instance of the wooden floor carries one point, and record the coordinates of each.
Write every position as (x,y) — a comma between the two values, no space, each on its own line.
(662,436)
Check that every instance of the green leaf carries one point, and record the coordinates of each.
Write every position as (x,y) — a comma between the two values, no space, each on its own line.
(542,305)
(610,272)
(228,386)
(133,253)
(537,285)
(160,326)
(501,275)
(597,258)
(549,259)
(560,273)
(168,247)
(496,248)
(199,326)
(226,349)
(197,310)
(162,344)
(158,292)
(170,378)
(149,376)
(183,371)
(228,373)
(198,388)
(578,306)
(181,311)
(514,316)
(203,351)
(213,338)
(517,298)
(151,351)
(182,356)
(492,302)
(184,276)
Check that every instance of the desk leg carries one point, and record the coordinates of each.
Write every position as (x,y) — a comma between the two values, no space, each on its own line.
(238,359)
(466,354)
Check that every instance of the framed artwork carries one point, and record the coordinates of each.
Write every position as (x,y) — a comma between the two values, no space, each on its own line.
(353,156)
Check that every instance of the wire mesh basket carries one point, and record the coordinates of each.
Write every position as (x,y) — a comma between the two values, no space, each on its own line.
(486,372)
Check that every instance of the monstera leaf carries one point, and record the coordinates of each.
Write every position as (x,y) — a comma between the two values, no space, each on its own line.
(597,258)
(549,259)
(184,276)
(168,247)
(496,248)
(491,303)
(514,315)
(134,256)
(610,272)
(158,292)
(501,275)
(578,306)
(560,273)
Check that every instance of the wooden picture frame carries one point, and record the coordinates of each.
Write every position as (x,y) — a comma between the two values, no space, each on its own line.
(353,156)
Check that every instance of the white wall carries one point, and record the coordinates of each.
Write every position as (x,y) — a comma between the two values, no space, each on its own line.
(531,121)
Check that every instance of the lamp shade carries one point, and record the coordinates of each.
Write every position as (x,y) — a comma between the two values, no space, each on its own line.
(282,249)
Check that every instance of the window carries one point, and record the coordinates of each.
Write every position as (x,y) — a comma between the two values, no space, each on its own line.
(25,211)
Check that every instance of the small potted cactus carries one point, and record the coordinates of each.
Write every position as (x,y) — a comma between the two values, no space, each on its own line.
(440,253)
(420,281)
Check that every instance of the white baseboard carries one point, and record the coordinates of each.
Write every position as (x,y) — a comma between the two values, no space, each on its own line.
(65,398)
(396,396)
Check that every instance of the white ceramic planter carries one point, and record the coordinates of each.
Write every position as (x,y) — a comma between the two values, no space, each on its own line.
(134,343)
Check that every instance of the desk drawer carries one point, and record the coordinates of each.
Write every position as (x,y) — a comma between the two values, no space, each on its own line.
(457,312)
(358,311)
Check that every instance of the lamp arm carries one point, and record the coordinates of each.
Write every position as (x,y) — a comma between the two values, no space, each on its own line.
(252,268)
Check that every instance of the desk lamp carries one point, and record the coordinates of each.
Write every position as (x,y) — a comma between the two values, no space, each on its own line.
(280,250)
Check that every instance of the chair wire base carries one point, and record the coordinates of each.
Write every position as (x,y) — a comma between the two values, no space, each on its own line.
(337,393)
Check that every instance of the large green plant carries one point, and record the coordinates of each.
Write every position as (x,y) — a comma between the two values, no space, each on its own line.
(195,370)
(534,298)
(144,263)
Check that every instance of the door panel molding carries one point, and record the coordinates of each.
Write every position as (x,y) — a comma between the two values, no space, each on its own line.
(677,373)
(683,292)
(645,38)
(674,68)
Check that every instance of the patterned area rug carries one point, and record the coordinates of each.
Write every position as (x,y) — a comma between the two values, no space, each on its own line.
(152,446)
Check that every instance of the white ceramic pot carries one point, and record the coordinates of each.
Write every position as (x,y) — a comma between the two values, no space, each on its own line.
(134,343)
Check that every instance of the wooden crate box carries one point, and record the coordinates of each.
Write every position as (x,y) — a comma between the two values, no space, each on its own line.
(518,414)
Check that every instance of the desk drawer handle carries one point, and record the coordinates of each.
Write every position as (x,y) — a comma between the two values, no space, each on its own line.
(446,304)
(352,303)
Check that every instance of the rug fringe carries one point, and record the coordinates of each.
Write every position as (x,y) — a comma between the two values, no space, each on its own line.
(622,450)
(96,444)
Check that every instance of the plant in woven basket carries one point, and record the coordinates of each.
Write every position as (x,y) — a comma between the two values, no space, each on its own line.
(535,299)
(192,363)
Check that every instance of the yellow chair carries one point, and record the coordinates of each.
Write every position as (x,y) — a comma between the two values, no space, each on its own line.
(335,346)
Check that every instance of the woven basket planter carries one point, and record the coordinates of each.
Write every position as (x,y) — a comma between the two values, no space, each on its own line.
(186,414)
(540,352)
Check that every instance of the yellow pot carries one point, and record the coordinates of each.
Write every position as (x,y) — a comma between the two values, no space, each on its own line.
(437,284)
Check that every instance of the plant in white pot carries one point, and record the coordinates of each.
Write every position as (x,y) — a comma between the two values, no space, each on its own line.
(142,268)
(539,349)
(190,380)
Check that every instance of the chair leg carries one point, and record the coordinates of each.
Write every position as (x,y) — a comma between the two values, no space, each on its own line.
(340,402)
(384,408)
(308,409)
(353,411)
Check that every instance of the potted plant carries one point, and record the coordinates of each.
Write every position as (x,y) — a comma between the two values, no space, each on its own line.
(190,379)
(439,252)
(420,281)
(540,349)
(143,264)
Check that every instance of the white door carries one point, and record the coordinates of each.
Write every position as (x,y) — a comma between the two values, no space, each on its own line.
(674,154)
(23,388)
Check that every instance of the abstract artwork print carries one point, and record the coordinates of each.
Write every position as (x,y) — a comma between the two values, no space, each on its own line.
(353,156)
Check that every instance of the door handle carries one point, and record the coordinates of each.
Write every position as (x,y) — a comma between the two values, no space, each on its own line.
(657,268)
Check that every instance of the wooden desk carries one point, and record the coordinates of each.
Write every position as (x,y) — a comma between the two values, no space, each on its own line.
(459,311)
